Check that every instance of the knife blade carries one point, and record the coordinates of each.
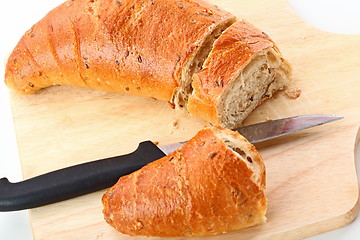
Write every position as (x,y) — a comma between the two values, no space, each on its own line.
(264,131)
(96,175)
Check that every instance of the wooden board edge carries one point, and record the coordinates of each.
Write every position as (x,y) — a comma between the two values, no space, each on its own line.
(344,219)
(321,227)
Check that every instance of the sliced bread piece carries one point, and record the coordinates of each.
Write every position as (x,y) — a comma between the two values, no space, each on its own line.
(214,184)
(243,69)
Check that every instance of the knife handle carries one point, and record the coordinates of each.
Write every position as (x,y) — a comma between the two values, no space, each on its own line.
(74,181)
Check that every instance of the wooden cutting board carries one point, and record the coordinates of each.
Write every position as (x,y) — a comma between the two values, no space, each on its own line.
(311,178)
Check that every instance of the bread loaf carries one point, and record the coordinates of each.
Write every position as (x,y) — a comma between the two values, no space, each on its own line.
(152,48)
(142,47)
(214,184)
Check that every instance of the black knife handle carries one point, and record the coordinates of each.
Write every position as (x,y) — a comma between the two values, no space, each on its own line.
(74,181)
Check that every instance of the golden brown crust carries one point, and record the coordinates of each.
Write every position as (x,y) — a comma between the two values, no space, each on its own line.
(204,188)
(232,51)
(136,47)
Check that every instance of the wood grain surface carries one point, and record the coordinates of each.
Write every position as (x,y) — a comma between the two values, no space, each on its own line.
(311,179)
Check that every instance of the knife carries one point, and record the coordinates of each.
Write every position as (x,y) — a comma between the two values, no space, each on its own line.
(92,176)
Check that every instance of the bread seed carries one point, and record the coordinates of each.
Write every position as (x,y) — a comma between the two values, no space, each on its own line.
(139,59)
(249,159)
(138,225)
(118,3)
(127,88)
(219,83)
(208,11)
(126,54)
(174,124)
(241,152)
(31,85)
(212,155)
(172,105)
(89,10)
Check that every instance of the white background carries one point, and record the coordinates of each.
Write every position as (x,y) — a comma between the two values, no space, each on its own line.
(339,16)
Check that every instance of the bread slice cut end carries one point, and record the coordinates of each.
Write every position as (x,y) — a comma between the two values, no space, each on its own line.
(195,63)
(266,73)
(244,149)
(251,157)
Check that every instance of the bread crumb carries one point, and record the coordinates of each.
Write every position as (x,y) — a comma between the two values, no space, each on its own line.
(156,142)
(293,93)
(174,124)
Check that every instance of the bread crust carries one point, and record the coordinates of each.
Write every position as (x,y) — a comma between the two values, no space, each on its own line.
(231,53)
(204,188)
(136,47)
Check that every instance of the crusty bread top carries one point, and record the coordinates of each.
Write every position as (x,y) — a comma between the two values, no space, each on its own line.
(137,47)
(204,188)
